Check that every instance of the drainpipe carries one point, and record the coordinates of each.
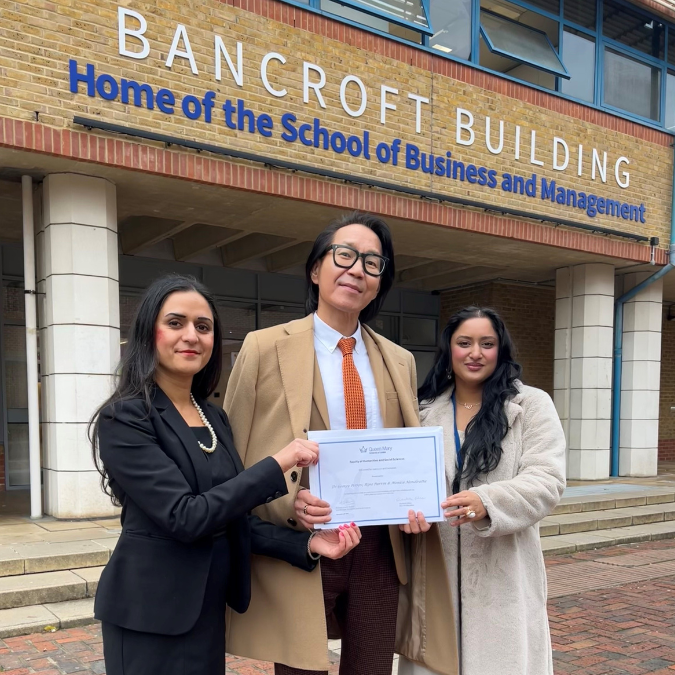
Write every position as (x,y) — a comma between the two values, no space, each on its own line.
(618,337)
(31,348)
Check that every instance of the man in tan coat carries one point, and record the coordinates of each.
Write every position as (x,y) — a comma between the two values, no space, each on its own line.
(328,371)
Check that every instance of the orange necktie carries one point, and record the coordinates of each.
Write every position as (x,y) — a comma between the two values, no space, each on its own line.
(355,402)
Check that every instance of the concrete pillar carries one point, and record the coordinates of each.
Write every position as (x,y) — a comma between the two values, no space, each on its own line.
(640,378)
(583,366)
(79,334)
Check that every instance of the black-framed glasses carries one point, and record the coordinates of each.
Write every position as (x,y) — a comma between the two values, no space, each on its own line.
(346,257)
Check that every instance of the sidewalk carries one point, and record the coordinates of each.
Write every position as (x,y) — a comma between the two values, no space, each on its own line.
(612,612)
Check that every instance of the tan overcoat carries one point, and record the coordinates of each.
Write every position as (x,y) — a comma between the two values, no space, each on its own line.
(274,395)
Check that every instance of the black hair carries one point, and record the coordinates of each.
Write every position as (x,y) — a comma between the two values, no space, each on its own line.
(482,448)
(325,239)
(135,376)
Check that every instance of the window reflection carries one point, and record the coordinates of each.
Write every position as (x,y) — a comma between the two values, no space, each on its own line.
(451,22)
(375,22)
(579,57)
(581,12)
(633,29)
(631,85)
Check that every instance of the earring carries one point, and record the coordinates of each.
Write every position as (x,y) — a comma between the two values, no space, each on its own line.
(448,373)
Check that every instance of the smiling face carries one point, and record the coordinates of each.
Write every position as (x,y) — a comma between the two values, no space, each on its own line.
(347,291)
(474,351)
(184,334)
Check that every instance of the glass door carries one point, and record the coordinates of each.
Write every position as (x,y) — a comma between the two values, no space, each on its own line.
(17,472)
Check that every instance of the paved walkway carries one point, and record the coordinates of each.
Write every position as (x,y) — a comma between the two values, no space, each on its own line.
(622,622)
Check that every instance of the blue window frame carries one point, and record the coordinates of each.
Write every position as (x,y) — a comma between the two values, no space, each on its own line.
(629,45)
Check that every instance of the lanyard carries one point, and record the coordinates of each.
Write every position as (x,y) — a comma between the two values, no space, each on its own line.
(458,444)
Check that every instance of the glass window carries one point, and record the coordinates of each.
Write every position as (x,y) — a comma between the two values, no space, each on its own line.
(581,12)
(633,29)
(418,331)
(451,21)
(670,101)
(671,45)
(237,319)
(16,384)
(520,42)
(273,315)
(552,6)
(411,13)
(424,361)
(128,306)
(371,21)
(579,54)
(631,85)
(18,462)
(387,326)
(13,303)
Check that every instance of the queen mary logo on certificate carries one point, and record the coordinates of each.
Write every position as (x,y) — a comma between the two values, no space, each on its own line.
(375,476)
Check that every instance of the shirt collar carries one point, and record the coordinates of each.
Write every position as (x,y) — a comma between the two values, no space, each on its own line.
(329,337)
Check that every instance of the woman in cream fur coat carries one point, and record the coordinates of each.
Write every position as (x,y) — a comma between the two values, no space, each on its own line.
(508,475)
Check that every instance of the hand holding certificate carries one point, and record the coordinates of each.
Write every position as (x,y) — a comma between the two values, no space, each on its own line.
(376,476)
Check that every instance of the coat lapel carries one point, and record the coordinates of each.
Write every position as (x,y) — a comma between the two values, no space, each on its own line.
(397,368)
(172,417)
(319,394)
(377,366)
(295,353)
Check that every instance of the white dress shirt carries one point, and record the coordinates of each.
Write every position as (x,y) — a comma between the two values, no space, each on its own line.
(329,357)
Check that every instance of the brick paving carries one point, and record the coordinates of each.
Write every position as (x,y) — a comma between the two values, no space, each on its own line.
(622,629)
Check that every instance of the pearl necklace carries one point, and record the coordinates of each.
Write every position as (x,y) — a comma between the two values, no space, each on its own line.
(207,424)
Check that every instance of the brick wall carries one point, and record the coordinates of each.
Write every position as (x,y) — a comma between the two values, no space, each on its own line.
(529,314)
(667,398)
(39,38)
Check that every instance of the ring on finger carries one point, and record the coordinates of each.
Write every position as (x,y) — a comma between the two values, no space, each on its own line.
(471,514)
(305,509)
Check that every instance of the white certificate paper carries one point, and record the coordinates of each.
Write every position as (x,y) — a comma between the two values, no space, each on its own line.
(375,476)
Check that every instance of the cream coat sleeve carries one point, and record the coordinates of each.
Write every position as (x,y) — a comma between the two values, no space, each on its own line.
(240,397)
(518,503)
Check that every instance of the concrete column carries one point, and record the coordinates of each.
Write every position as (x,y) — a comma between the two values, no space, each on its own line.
(583,366)
(563,346)
(640,378)
(79,334)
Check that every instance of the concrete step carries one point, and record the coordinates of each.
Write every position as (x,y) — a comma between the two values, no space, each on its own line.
(49,617)
(583,541)
(48,587)
(615,500)
(589,521)
(38,557)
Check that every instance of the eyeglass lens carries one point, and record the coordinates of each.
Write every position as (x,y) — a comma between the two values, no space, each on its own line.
(346,257)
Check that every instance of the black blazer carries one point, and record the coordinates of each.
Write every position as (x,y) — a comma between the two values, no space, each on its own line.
(156,577)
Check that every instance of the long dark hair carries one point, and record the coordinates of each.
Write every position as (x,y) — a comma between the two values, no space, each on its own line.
(320,248)
(482,448)
(135,376)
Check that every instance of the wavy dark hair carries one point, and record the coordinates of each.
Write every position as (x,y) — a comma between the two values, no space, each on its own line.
(482,448)
(135,376)
(320,248)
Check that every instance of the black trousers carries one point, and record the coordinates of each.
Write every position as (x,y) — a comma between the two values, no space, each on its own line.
(360,592)
(200,651)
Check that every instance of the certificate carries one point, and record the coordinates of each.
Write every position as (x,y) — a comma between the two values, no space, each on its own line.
(375,476)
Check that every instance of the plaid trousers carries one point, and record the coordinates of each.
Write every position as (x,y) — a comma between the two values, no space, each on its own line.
(360,593)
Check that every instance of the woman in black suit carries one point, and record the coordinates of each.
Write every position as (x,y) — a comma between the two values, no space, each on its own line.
(167,456)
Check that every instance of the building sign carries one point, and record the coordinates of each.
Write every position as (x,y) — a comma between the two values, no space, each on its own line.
(247,82)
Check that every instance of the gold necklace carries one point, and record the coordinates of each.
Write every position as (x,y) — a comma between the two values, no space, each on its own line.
(469,406)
